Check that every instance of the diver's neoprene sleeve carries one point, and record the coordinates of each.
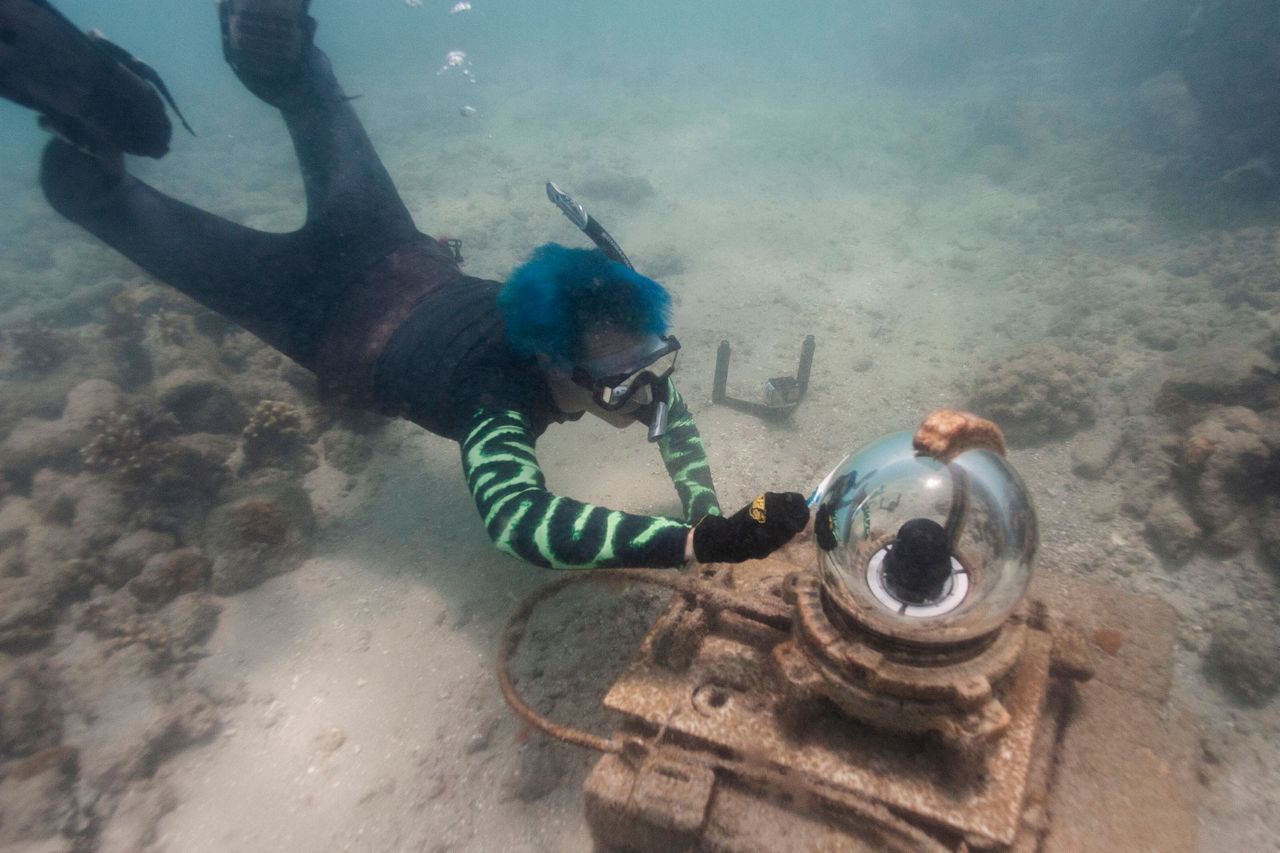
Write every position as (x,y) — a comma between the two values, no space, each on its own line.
(527,521)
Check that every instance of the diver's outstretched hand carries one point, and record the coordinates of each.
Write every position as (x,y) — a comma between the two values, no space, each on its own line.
(757,530)
(947,433)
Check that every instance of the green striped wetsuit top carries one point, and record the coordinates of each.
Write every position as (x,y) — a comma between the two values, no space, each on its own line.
(529,522)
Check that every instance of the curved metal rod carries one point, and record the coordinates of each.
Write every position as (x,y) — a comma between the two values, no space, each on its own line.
(513,633)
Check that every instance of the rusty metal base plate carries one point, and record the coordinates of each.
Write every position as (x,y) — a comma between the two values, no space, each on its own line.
(728,699)
(1106,765)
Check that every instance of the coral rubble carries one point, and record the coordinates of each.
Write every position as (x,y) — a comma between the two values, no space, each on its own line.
(141,475)
(276,436)
(1042,394)
(1206,474)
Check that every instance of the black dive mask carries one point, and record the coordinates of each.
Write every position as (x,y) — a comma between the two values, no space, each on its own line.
(613,381)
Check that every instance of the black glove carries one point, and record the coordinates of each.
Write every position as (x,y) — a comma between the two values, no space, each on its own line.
(757,530)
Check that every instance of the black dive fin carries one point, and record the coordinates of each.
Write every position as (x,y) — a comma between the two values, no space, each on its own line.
(142,69)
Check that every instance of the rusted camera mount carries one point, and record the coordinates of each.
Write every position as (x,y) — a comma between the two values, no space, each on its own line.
(756,718)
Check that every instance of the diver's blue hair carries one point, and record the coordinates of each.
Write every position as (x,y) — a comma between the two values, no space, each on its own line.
(559,292)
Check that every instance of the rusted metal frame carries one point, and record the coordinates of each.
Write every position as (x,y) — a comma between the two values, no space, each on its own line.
(635,751)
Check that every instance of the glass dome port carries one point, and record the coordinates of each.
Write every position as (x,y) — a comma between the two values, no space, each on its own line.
(923,551)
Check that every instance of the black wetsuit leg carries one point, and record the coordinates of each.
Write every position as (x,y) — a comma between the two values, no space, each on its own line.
(281,287)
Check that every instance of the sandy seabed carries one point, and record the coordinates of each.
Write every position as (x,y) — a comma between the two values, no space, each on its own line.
(353,700)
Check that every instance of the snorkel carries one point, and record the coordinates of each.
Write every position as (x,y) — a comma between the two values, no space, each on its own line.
(587,224)
(655,413)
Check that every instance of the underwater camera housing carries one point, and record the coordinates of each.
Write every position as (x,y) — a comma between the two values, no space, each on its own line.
(901,680)
(898,681)
(781,393)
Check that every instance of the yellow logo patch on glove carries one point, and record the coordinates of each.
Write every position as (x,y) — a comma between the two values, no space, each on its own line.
(757,510)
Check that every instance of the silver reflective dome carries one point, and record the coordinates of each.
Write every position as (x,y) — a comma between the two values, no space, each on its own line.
(922,551)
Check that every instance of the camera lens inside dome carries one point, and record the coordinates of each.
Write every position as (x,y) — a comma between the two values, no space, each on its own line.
(918,564)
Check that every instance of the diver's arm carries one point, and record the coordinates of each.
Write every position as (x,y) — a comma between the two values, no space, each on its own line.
(686,460)
(525,520)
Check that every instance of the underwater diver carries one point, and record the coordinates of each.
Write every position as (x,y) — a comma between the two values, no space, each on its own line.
(379,311)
